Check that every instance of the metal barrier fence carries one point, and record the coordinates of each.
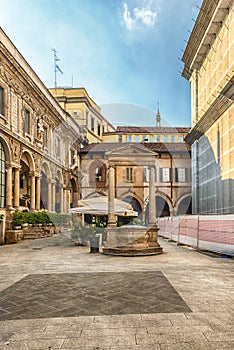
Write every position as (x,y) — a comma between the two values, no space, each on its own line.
(206,232)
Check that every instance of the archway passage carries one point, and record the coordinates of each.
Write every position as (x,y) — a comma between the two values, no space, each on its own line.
(134,203)
(44,191)
(24,183)
(185,206)
(57,195)
(162,207)
(74,193)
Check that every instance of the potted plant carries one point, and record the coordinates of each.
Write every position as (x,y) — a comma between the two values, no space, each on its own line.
(81,234)
(18,220)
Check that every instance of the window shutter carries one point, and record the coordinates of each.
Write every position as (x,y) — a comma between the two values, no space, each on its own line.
(187,175)
(170,175)
(176,175)
(161,174)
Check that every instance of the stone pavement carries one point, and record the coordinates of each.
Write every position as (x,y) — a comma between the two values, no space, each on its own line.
(54,295)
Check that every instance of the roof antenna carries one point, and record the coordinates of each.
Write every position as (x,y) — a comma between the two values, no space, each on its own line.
(56,67)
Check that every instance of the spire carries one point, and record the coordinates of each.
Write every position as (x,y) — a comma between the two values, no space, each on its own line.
(158,117)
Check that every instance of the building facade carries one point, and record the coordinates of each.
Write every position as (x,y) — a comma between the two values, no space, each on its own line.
(39,142)
(172,165)
(209,66)
(146,134)
(85,111)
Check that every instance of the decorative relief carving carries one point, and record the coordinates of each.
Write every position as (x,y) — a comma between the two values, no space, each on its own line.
(37,161)
(16,150)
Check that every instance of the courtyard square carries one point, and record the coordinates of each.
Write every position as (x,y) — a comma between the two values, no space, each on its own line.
(54,295)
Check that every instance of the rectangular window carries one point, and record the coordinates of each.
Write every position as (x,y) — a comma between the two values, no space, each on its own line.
(99,129)
(182,175)
(137,138)
(92,124)
(144,138)
(165,175)
(45,136)
(1,101)
(120,138)
(72,155)
(27,121)
(158,138)
(180,139)
(129,138)
(172,138)
(165,138)
(129,177)
(151,138)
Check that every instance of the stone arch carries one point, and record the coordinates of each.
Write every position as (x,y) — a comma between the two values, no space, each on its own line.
(135,203)
(97,174)
(3,188)
(58,191)
(45,180)
(26,174)
(163,207)
(74,192)
(184,205)
(27,158)
(7,150)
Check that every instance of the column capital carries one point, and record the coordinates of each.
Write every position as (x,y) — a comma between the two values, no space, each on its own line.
(31,173)
(111,165)
(8,164)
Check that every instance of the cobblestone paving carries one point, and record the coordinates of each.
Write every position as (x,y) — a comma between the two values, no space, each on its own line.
(205,284)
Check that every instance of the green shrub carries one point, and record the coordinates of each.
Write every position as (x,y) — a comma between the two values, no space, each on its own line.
(85,232)
(136,221)
(20,218)
(59,218)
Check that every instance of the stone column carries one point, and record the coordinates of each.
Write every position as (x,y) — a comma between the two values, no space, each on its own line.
(68,199)
(49,195)
(16,187)
(9,186)
(65,200)
(32,190)
(61,197)
(152,204)
(111,197)
(52,195)
(38,193)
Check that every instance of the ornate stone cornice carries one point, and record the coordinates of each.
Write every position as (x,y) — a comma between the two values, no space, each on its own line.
(207,26)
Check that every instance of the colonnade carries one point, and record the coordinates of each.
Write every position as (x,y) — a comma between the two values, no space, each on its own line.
(34,186)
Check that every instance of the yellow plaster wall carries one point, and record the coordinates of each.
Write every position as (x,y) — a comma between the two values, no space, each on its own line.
(216,70)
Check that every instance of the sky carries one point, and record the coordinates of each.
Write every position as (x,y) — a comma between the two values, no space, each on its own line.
(125,53)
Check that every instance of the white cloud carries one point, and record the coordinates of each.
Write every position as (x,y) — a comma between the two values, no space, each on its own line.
(128,20)
(144,16)
(147,16)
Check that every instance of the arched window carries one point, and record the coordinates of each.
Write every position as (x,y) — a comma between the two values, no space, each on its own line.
(2,177)
(98,174)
